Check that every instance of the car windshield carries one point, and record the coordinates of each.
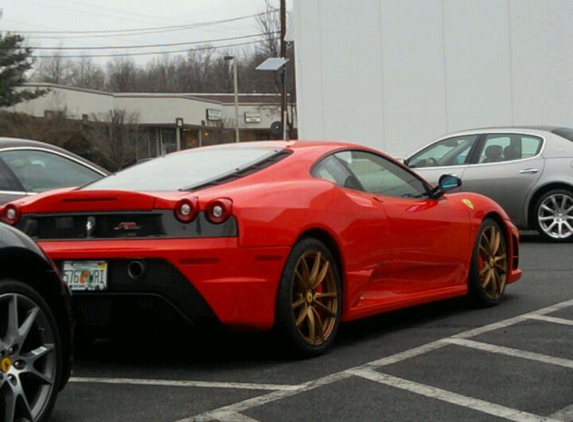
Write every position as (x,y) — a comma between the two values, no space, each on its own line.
(191,169)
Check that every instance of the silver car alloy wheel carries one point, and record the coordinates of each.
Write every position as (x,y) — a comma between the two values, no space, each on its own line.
(555,215)
(27,358)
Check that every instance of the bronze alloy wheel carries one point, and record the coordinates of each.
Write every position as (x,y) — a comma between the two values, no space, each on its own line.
(314,297)
(492,261)
(309,300)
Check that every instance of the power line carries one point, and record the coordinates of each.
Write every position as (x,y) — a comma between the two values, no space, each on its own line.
(136,31)
(128,47)
(84,8)
(82,56)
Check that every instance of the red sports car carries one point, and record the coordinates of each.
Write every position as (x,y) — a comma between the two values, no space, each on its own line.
(296,236)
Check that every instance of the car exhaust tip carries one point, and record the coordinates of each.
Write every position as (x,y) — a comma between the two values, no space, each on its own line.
(136,269)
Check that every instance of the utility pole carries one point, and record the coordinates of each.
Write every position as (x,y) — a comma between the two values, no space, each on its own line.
(236,94)
(284,111)
(283,27)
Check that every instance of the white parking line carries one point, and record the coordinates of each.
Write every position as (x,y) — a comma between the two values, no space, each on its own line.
(232,413)
(408,354)
(231,417)
(201,384)
(551,319)
(511,414)
(268,398)
(564,415)
(486,347)
(449,397)
(515,320)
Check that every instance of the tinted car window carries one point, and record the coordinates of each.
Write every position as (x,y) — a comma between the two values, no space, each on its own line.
(38,171)
(509,147)
(362,170)
(447,152)
(335,171)
(7,182)
(191,169)
(492,150)
(530,147)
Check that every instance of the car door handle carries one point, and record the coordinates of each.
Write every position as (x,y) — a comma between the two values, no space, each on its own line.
(528,171)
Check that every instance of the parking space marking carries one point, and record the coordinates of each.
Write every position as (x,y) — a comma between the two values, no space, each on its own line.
(201,384)
(564,415)
(486,347)
(449,397)
(551,319)
(511,414)
(231,417)
(267,398)
(515,320)
(407,354)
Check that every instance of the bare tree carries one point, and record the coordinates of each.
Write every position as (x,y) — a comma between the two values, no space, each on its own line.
(162,74)
(86,74)
(269,24)
(55,70)
(123,75)
(199,68)
(116,135)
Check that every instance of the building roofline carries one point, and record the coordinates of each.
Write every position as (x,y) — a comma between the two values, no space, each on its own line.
(214,98)
(48,85)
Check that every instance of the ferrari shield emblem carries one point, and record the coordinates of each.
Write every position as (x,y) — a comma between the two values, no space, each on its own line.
(468,203)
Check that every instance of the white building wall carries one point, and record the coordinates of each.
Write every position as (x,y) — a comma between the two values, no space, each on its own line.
(150,108)
(267,114)
(74,102)
(164,109)
(395,74)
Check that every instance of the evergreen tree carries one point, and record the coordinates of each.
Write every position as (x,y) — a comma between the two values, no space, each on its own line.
(15,61)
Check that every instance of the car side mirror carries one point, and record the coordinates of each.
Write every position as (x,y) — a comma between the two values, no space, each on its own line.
(447,182)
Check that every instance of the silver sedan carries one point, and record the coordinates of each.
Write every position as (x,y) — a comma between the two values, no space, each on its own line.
(29,167)
(527,170)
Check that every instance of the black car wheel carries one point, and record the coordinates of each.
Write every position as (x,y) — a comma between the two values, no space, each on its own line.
(489,266)
(309,299)
(30,354)
(554,215)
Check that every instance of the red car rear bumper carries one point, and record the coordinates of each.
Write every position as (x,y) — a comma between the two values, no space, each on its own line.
(238,284)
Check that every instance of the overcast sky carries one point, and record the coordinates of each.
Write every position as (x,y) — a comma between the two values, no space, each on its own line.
(63,24)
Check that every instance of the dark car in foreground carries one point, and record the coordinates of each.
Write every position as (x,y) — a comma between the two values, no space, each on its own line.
(527,170)
(297,236)
(28,167)
(35,330)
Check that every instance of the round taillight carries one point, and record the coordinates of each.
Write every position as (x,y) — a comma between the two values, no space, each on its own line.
(11,214)
(219,210)
(186,210)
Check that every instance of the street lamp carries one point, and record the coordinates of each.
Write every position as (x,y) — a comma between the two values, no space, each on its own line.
(236,90)
(275,64)
(178,128)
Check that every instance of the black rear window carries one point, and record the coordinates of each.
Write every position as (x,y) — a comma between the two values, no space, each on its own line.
(564,132)
(192,169)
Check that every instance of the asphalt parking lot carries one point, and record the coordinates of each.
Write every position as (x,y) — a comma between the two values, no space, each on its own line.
(444,362)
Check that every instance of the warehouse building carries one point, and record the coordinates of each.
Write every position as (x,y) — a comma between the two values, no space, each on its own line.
(169,121)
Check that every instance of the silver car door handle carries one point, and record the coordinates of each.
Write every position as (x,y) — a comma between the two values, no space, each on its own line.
(528,171)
